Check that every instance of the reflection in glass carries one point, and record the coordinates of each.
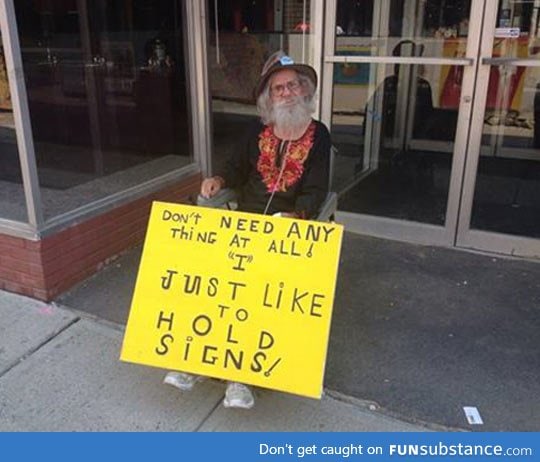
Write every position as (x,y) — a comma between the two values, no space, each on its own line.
(394,125)
(438,28)
(507,191)
(394,131)
(107,93)
(12,200)
(242,35)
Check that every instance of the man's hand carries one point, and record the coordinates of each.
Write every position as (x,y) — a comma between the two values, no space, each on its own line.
(211,186)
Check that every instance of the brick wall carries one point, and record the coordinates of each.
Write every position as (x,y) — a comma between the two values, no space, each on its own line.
(43,269)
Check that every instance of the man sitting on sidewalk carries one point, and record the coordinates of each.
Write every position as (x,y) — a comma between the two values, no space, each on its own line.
(281,167)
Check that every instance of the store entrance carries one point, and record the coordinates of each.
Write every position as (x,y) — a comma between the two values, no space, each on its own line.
(501,195)
(401,83)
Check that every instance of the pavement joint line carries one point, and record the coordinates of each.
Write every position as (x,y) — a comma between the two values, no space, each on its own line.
(83,315)
(204,419)
(38,347)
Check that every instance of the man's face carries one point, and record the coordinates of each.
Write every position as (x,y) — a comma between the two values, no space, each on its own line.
(285,87)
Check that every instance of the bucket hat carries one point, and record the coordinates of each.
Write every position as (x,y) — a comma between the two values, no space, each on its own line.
(279,61)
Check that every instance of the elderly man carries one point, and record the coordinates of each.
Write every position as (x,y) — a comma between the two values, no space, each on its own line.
(281,167)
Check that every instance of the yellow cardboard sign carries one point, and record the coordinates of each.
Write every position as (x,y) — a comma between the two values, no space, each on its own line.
(235,296)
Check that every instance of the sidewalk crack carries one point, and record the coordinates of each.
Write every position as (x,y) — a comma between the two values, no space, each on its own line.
(38,347)
(204,419)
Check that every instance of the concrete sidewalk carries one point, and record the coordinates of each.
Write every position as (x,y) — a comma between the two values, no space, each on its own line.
(419,331)
(59,371)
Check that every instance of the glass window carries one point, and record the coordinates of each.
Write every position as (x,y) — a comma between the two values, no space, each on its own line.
(243,33)
(394,128)
(394,125)
(507,190)
(12,199)
(107,93)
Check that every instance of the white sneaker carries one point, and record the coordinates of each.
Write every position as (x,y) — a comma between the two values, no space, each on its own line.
(238,395)
(181,380)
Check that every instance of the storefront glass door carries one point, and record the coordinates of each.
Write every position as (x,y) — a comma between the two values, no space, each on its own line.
(415,92)
(501,197)
(395,74)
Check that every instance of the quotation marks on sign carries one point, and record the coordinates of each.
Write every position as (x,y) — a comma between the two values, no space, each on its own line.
(241,260)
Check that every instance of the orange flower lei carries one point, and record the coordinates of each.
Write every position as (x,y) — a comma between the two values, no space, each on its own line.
(297,152)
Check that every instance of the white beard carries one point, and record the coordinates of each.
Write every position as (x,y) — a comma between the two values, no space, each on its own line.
(291,118)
